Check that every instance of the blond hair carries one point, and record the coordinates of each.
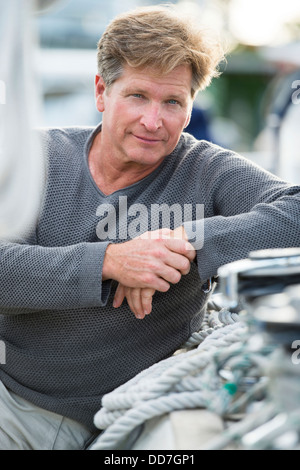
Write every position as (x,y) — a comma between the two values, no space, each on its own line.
(159,38)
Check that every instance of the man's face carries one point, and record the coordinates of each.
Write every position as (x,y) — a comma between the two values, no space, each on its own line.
(144,114)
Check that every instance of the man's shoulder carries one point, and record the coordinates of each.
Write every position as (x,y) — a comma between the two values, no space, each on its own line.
(200,150)
(59,134)
(64,143)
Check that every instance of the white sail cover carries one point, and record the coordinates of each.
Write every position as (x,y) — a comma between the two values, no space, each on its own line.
(21,162)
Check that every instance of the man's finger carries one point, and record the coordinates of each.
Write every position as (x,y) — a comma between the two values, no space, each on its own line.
(147,296)
(119,296)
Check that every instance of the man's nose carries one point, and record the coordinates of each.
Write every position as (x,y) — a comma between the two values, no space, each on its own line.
(152,118)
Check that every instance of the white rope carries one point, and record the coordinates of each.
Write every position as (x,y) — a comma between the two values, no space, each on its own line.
(212,321)
(183,381)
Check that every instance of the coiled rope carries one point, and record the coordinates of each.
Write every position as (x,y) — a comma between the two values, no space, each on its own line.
(186,380)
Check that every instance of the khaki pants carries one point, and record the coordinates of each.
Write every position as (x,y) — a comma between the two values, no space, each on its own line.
(24,426)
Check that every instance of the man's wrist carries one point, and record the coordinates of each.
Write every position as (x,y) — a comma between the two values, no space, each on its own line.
(107,271)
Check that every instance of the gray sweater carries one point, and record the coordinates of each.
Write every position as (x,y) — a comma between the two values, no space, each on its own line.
(66,345)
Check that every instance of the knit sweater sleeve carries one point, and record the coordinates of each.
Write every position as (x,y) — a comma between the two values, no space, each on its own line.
(39,278)
(53,266)
(246,209)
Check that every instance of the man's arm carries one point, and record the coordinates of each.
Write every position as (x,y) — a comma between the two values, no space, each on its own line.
(246,209)
(36,278)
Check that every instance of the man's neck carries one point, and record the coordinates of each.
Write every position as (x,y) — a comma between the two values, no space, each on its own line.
(108,173)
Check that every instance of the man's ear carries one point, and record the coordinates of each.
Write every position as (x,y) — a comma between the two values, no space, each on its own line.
(99,93)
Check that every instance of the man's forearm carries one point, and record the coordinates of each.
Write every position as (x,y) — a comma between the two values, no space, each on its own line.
(40,278)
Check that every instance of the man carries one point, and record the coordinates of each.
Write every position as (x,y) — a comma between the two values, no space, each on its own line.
(104,253)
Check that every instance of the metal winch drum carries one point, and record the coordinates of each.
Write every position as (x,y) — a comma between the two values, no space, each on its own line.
(267,284)
(264,272)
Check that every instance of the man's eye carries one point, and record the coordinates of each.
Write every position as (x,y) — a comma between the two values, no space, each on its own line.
(137,95)
(173,102)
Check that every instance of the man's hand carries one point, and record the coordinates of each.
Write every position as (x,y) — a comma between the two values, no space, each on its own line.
(139,300)
(148,263)
(154,260)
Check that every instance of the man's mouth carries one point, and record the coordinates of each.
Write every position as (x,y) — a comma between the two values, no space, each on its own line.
(147,140)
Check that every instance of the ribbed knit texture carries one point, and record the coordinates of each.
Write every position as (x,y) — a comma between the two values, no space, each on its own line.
(66,345)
